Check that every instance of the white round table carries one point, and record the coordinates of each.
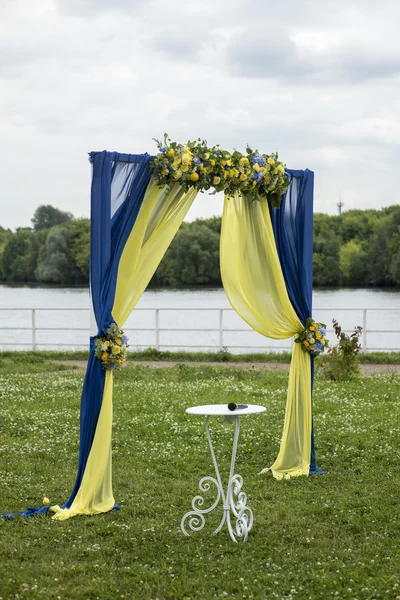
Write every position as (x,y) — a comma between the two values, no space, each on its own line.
(234,500)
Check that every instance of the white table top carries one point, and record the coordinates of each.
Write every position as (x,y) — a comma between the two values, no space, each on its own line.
(223,410)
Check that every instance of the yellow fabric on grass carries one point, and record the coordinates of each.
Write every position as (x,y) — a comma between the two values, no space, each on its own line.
(255,286)
(95,493)
(159,218)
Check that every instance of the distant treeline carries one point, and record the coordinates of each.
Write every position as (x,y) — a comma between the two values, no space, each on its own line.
(358,248)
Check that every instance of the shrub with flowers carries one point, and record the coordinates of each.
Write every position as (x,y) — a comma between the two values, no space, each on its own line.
(341,363)
(111,348)
(256,175)
(312,338)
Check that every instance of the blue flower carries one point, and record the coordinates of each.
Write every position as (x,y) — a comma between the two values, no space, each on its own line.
(217,152)
(196,160)
(319,345)
(258,158)
(163,150)
(257,176)
(322,330)
(124,339)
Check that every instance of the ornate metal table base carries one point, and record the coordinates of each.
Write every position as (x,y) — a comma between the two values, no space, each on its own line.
(234,501)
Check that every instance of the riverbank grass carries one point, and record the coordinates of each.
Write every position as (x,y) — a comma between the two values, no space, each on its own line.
(330,536)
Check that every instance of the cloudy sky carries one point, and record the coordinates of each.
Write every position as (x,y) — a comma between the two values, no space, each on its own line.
(317,81)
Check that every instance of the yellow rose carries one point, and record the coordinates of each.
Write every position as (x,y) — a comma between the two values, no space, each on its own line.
(116,350)
(119,341)
(187,151)
(165,171)
(318,335)
(203,170)
(184,168)
(104,356)
(313,346)
(46,500)
(280,169)
(186,159)
(216,180)
(243,177)
(177,174)
(106,343)
(193,176)
(223,162)
(229,163)
(263,170)
(244,161)
(305,343)
(171,152)
(271,161)
(212,162)
(256,167)
(254,183)
(177,162)
(206,156)
(226,174)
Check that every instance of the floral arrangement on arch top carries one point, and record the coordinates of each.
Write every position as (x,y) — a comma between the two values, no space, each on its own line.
(257,176)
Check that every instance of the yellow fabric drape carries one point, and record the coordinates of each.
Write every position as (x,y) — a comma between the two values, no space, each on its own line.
(254,284)
(159,218)
(95,494)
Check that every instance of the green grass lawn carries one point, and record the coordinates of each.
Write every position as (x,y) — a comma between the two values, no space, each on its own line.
(330,536)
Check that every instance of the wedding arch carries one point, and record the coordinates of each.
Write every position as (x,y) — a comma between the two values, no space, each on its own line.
(138,203)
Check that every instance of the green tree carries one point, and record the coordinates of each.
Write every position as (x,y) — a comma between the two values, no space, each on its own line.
(79,248)
(395,268)
(356,225)
(353,263)
(214,223)
(54,264)
(47,216)
(378,256)
(5,236)
(326,269)
(20,255)
(193,257)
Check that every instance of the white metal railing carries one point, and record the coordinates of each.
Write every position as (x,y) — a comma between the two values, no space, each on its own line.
(34,328)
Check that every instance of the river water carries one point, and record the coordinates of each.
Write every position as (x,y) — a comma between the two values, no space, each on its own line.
(382,318)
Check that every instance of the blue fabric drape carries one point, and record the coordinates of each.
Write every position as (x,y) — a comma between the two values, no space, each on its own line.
(119,183)
(292,223)
(119,180)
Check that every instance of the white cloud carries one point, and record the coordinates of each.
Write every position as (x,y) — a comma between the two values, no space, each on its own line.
(318,82)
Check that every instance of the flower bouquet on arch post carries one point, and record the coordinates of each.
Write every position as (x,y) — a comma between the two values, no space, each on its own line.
(312,338)
(111,348)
